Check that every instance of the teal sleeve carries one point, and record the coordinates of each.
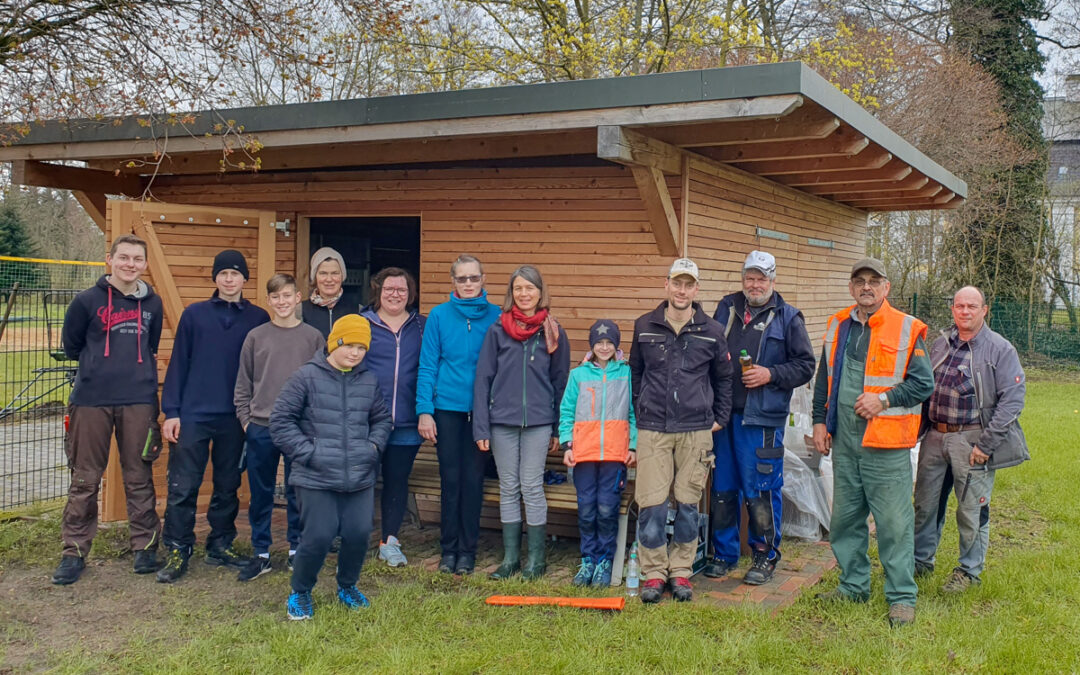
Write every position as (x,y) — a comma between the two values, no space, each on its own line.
(633,427)
(430,351)
(568,407)
(821,390)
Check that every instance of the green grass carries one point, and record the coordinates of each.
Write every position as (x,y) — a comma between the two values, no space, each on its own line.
(1024,618)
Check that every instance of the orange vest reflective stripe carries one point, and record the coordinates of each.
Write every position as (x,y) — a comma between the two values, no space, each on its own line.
(893,335)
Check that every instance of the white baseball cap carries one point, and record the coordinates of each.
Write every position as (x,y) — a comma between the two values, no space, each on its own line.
(683,266)
(762,262)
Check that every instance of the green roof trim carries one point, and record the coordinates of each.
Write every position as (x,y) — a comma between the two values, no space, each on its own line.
(771,79)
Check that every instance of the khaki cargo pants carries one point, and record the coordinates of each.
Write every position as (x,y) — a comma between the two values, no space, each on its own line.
(679,460)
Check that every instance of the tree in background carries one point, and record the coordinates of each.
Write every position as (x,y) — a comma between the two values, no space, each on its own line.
(15,242)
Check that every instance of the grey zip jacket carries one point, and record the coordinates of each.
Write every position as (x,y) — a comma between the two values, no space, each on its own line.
(1000,386)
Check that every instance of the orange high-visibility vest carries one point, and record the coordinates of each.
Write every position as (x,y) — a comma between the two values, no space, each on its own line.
(892,341)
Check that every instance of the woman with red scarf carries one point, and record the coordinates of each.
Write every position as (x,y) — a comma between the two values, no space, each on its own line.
(520,377)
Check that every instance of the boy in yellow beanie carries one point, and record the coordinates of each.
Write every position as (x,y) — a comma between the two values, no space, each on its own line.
(331,421)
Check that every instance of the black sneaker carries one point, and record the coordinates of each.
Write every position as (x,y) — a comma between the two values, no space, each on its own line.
(292,559)
(176,565)
(762,569)
(466,562)
(226,557)
(719,568)
(255,569)
(146,562)
(923,570)
(70,569)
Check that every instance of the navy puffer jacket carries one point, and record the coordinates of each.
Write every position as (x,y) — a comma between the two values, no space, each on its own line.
(332,425)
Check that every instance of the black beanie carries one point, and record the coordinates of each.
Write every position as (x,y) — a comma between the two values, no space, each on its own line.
(604,329)
(230,260)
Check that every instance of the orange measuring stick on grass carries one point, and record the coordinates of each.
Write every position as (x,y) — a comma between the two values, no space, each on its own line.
(613,604)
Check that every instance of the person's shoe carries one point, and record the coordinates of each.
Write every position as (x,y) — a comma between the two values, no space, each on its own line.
(391,552)
(146,562)
(447,563)
(923,570)
(718,568)
(762,569)
(511,562)
(652,590)
(466,563)
(292,559)
(836,595)
(958,582)
(176,566)
(299,606)
(585,572)
(352,598)
(69,570)
(226,557)
(681,589)
(602,576)
(536,564)
(901,615)
(255,569)
(335,545)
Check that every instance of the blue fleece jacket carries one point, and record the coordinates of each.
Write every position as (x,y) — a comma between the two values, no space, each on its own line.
(453,335)
(205,358)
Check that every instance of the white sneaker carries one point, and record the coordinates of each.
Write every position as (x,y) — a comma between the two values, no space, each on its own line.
(391,552)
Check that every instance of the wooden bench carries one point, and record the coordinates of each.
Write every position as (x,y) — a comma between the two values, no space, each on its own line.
(561,498)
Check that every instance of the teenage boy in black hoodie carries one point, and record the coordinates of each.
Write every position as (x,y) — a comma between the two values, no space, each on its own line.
(200,418)
(113,330)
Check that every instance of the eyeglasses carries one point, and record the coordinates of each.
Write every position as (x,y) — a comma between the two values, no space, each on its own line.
(469,279)
(395,291)
(859,282)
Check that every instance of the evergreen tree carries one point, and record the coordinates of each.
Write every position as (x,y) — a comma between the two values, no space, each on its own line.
(15,241)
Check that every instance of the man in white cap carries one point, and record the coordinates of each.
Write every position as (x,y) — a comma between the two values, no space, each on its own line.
(750,450)
(681,380)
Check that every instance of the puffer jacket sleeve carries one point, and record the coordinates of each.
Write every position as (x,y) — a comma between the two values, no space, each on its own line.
(632,418)
(285,419)
(380,421)
(568,408)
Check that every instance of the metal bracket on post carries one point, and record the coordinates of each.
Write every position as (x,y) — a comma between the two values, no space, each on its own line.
(281,226)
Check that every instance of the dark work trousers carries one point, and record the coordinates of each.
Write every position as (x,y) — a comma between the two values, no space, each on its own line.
(90,430)
(323,515)
(262,459)
(599,488)
(221,440)
(461,474)
(397,463)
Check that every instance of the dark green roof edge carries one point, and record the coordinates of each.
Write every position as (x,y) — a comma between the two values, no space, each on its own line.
(663,88)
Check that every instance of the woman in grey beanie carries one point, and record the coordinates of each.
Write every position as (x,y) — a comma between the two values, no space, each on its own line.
(328,301)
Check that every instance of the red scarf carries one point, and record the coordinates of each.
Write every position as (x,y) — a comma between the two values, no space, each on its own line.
(521,327)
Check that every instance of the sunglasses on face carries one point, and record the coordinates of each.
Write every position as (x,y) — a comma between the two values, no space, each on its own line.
(468,279)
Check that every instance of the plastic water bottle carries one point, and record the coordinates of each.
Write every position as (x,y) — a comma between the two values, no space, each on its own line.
(632,579)
(746,362)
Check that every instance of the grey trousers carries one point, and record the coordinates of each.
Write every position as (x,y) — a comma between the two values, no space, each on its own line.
(520,454)
(973,485)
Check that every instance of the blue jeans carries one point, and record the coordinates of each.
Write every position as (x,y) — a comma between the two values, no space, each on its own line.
(750,468)
(262,466)
(599,488)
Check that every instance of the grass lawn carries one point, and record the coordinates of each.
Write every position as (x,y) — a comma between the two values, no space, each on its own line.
(1024,618)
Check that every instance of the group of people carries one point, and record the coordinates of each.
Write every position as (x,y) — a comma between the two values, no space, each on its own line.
(346,394)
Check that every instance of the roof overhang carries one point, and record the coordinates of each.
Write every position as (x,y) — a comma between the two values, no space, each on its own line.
(780,121)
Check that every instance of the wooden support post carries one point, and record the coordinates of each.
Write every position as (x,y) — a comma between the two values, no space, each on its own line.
(163,278)
(654,192)
(94,205)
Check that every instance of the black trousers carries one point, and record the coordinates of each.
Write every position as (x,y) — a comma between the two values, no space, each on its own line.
(221,441)
(461,474)
(323,515)
(397,463)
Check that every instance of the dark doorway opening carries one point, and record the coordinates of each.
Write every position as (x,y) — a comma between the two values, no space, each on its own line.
(368,245)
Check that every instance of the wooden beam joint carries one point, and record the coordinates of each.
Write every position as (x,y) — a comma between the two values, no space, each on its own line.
(61,177)
(626,146)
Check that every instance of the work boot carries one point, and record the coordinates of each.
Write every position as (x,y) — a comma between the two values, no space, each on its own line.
(585,572)
(70,569)
(959,582)
(511,562)
(536,565)
(466,562)
(762,569)
(226,556)
(923,570)
(901,615)
(146,562)
(719,568)
(681,589)
(176,565)
(652,590)
(447,563)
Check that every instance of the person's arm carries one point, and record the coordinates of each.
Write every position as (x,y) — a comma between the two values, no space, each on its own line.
(798,369)
(720,375)
(380,421)
(821,390)
(633,429)
(637,367)
(172,392)
(486,367)
(155,328)
(245,377)
(430,350)
(559,366)
(918,384)
(73,334)
(1011,386)
(285,428)
(568,409)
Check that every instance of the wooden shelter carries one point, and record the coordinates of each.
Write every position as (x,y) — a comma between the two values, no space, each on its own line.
(599,183)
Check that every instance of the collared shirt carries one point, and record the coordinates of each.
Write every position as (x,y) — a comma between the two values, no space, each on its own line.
(953,401)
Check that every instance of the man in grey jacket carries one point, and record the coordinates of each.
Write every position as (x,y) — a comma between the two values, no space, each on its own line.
(973,431)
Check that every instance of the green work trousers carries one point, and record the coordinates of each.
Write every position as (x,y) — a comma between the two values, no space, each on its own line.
(870,481)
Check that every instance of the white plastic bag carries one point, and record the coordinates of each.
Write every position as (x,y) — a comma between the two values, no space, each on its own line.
(806,511)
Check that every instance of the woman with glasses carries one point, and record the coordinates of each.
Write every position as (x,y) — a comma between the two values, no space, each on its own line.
(394,358)
(453,335)
(329,301)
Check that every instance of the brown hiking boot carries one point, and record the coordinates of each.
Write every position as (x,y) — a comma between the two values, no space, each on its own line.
(901,615)
(958,582)
(836,595)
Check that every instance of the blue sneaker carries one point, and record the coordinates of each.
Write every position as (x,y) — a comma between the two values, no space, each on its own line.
(299,606)
(602,575)
(584,574)
(352,598)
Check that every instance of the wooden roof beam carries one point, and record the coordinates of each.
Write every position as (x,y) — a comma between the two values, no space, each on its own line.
(924,192)
(95,204)
(626,146)
(59,176)
(956,202)
(914,181)
(806,123)
(870,158)
(893,171)
(943,198)
(654,193)
(844,142)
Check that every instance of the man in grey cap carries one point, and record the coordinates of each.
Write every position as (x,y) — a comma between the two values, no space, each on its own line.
(750,450)
(873,376)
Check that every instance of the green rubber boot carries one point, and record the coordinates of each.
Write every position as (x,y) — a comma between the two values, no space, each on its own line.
(535,566)
(511,562)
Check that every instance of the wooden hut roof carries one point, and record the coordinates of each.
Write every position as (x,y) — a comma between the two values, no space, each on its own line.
(780,121)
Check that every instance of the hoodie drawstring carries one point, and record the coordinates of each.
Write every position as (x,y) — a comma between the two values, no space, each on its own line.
(108,321)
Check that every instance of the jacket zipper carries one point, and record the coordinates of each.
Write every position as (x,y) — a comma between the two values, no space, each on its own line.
(344,432)
(603,410)
(397,364)
(524,374)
